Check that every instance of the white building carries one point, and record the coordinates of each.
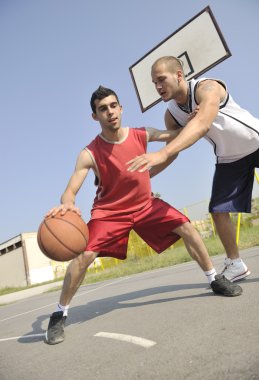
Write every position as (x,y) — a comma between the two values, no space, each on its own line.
(22,263)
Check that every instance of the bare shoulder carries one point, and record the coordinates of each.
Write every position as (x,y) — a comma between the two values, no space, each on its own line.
(208,85)
(85,159)
(210,88)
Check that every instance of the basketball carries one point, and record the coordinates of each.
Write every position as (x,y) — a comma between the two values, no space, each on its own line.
(63,237)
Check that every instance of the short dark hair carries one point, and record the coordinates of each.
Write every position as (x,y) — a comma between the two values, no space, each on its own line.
(99,94)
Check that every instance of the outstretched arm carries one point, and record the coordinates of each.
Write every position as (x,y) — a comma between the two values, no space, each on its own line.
(161,136)
(83,164)
(172,127)
(209,95)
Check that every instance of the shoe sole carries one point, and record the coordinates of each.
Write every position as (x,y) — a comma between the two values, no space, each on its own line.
(240,276)
(51,343)
(235,293)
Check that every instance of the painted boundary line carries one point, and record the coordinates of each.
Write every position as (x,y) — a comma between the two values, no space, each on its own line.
(99,287)
(54,303)
(146,343)
(21,337)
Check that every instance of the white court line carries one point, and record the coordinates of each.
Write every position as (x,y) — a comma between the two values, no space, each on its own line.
(92,290)
(21,337)
(146,343)
(127,338)
(55,303)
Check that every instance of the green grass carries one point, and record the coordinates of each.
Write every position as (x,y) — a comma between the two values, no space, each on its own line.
(249,237)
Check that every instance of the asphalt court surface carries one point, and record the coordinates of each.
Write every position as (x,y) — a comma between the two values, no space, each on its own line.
(164,324)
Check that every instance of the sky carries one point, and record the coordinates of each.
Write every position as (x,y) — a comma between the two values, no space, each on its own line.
(55,53)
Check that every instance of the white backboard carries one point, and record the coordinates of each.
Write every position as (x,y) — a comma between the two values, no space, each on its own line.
(199,43)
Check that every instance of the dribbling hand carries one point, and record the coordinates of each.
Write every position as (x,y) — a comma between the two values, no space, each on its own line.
(63,208)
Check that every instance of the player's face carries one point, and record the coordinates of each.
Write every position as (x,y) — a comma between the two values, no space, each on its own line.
(166,82)
(108,113)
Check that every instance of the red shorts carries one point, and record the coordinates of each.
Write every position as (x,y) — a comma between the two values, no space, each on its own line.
(154,224)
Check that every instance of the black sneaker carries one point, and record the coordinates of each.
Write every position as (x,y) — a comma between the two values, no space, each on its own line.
(55,333)
(221,285)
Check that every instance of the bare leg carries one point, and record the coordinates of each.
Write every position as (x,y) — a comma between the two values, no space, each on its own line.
(74,276)
(194,245)
(227,234)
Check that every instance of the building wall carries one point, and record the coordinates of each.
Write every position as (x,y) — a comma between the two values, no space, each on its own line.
(39,266)
(22,263)
(12,270)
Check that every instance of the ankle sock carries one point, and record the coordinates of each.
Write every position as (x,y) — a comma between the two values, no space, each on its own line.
(210,274)
(62,308)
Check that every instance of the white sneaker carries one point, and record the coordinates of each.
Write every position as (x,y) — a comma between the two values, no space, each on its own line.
(235,269)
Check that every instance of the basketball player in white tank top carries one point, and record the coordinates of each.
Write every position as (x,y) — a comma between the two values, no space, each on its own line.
(233,133)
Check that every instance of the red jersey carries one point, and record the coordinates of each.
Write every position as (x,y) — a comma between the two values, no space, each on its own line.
(119,190)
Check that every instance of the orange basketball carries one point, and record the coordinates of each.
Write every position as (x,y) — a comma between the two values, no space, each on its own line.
(63,237)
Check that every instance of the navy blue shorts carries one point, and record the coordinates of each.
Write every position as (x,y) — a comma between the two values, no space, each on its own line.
(233,184)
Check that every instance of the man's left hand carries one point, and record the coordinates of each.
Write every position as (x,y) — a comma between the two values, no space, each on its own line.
(146,161)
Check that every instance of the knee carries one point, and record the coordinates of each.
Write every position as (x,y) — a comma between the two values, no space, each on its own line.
(185,229)
(85,259)
(219,217)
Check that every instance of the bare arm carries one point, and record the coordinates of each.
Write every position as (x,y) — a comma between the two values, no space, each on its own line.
(83,164)
(209,95)
(160,136)
(172,127)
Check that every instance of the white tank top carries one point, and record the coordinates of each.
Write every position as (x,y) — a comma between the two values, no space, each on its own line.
(234,133)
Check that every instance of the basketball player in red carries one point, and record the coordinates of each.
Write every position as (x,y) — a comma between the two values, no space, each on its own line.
(123,202)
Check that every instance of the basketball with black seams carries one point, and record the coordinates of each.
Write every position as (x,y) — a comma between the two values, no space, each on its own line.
(63,237)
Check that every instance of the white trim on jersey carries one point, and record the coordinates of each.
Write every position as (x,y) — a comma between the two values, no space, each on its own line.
(234,133)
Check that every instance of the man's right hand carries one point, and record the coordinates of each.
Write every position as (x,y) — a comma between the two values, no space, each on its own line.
(63,208)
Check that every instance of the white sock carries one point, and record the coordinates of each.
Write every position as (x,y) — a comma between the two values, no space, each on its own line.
(210,274)
(62,308)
